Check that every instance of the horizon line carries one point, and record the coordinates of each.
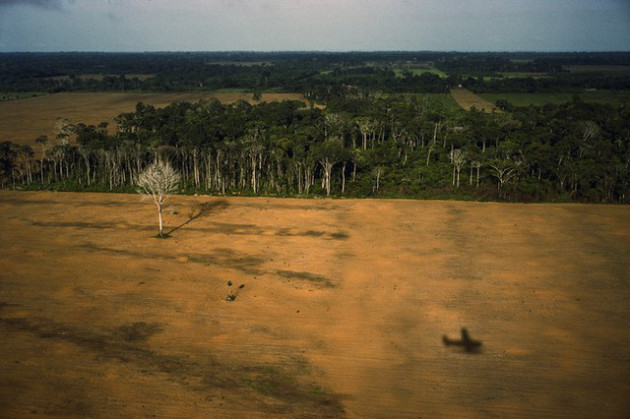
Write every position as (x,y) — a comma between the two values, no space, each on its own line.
(318,51)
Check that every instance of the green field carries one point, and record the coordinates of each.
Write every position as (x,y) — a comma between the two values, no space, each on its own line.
(523,75)
(509,75)
(525,99)
(417,71)
(19,95)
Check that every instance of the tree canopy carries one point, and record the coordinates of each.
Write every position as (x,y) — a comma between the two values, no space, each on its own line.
(388,147)
(360,130)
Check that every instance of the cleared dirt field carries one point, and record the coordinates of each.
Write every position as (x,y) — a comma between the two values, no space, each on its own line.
(23,120)
(342,311)
(467,99)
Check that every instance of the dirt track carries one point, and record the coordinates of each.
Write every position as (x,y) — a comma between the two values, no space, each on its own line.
(342,311)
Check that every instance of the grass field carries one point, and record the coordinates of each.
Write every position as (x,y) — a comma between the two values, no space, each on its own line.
(23,120)
(517,75)
(467,100)
(525,99)
(19,95)
(341,312)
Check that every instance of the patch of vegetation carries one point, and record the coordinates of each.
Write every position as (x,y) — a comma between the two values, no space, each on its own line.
(516,75)
(205,374)
(138,331)
(234,293)
(313,233)
(270,381)
(340,235)
(319,391)
(19,95)
(228,258)
(262,385)
(285,232)
(307,276)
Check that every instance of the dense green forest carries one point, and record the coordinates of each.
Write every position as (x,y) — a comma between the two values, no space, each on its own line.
(319,76)
(358,136)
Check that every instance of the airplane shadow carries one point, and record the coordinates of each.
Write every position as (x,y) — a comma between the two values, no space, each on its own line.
(470,345)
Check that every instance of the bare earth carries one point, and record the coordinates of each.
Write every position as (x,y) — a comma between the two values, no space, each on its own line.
(342,312)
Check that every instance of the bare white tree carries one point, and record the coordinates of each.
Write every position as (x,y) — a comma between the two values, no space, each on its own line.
(367,127)
(63,128)
(503,171)
(458,158)
(158,181)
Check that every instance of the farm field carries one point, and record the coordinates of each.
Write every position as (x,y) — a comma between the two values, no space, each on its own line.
(23,120)
(514,74)
(418,71)
(341,312)
(614,98)
(598,68)
(467,100)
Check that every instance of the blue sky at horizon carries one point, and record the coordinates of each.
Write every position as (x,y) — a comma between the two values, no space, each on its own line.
(314,25)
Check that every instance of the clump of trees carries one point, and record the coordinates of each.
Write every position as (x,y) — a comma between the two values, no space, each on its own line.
(358,146)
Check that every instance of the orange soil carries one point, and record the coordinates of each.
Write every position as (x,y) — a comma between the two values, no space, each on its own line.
(342,312)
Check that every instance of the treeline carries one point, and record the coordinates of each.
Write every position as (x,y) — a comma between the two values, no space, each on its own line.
(356,147)
(319,75)
(560,83)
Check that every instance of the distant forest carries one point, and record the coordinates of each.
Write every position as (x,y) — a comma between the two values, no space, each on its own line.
(319,76)
(369,125)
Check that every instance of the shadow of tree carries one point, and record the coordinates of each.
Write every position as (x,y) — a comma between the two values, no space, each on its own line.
(201,210)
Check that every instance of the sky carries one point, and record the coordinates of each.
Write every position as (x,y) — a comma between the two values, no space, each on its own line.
(314,25)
